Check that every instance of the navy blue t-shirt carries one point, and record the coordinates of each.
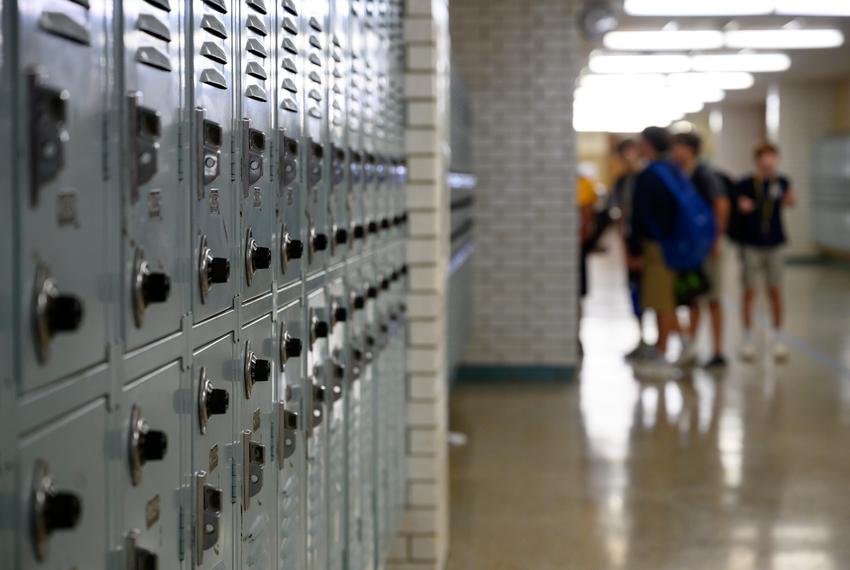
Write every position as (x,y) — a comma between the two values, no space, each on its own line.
(763,227)
(654,210)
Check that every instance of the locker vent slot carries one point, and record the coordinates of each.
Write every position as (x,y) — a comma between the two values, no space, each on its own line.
(289,104)
(153,57)
(289,6)
(289,85)
(257,93)
(256,47)
(83,3)
(213,52)
(254,69)
(162,4)
(258,5)
(217,5)
(256,25)
(314,23)
(152,26)
(214,26)
(289,26)
(62,25)
(289,65)
(289,45)
(214,78)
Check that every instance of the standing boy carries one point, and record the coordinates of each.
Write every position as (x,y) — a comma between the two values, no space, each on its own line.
(761,199)
(685,153)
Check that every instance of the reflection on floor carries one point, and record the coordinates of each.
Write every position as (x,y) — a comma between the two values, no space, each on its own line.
(746,470)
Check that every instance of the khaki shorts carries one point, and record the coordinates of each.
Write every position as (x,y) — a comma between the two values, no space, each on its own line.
(764,260)
(658,282)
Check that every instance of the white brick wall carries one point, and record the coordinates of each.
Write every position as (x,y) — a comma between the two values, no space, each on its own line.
(422,543)
(517,60)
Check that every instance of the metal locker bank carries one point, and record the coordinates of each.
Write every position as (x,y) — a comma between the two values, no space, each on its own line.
(203,210)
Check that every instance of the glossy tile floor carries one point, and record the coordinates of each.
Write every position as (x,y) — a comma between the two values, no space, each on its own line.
(745,470)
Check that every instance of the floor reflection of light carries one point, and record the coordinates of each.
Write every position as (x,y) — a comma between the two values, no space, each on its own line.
(706,389)
(803,560)
(801,534)
(741,558)
(617,550)
(673,401)
(649,406)
(730,443)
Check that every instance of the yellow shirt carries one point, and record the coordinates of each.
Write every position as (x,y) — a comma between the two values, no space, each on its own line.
(586,192)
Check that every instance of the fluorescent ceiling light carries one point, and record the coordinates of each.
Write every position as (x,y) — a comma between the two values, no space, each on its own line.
(663,40)
(751,62)
(784,39)
(623,81)
(698,7)
(813,7)
(639,63)
(722,80)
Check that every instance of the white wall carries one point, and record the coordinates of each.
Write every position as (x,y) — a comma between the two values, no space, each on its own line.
(741,129)
(806,113)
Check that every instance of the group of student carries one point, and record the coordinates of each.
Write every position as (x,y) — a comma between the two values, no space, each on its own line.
(655,198)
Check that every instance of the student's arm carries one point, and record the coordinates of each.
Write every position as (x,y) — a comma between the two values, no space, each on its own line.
(789,199)
(720,202)
(746,201)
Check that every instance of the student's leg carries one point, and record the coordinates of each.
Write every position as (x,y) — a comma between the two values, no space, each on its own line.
(749,268)
(716,314)
(773,274)
(694,318)
(667,324)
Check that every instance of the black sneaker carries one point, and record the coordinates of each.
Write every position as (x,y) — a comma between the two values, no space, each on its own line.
(717,361)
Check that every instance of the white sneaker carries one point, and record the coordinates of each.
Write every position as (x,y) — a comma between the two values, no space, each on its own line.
(748,348)
(657,368)
(688,356)
(780,351)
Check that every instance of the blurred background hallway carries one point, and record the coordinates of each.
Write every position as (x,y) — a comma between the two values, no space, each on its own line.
(712,472)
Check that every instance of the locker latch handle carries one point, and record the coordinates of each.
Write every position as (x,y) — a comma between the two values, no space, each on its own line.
(253,153)
(287,424)
(144,132)
(207,515)
(253,463)
(47,133)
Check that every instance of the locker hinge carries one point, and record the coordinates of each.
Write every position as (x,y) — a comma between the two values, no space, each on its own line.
(233,482)
(181,538)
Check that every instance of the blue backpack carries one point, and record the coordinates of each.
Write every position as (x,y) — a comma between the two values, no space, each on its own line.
(695,231)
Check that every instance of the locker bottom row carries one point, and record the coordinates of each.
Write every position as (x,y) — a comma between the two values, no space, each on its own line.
(280,445)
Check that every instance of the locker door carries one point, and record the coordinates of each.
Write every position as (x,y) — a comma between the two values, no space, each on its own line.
(316,151)
(253,459)
(211,36)
(214,399)
(255,80)
(64,276)
(153,288)
(318,400)
(291,153)
(150,480)
(61,502)
(291,441)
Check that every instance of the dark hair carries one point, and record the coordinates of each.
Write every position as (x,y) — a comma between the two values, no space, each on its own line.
(691,140)
(624,145)
(657,137)
(765,148)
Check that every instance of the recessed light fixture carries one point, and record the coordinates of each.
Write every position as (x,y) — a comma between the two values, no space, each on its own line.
(785,38)
(636,63)
(813,7)
(663,40)
(750,62)
(729,80)
(698,7)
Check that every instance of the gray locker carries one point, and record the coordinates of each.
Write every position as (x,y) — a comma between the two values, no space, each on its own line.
(291,440)
(315,137)
(149,459)
(318,399)
(337,374)
(255,80)
(210,38)
(256,492)
(61,499)
(63,199)
(214,398)
(291,152)
(154,288)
